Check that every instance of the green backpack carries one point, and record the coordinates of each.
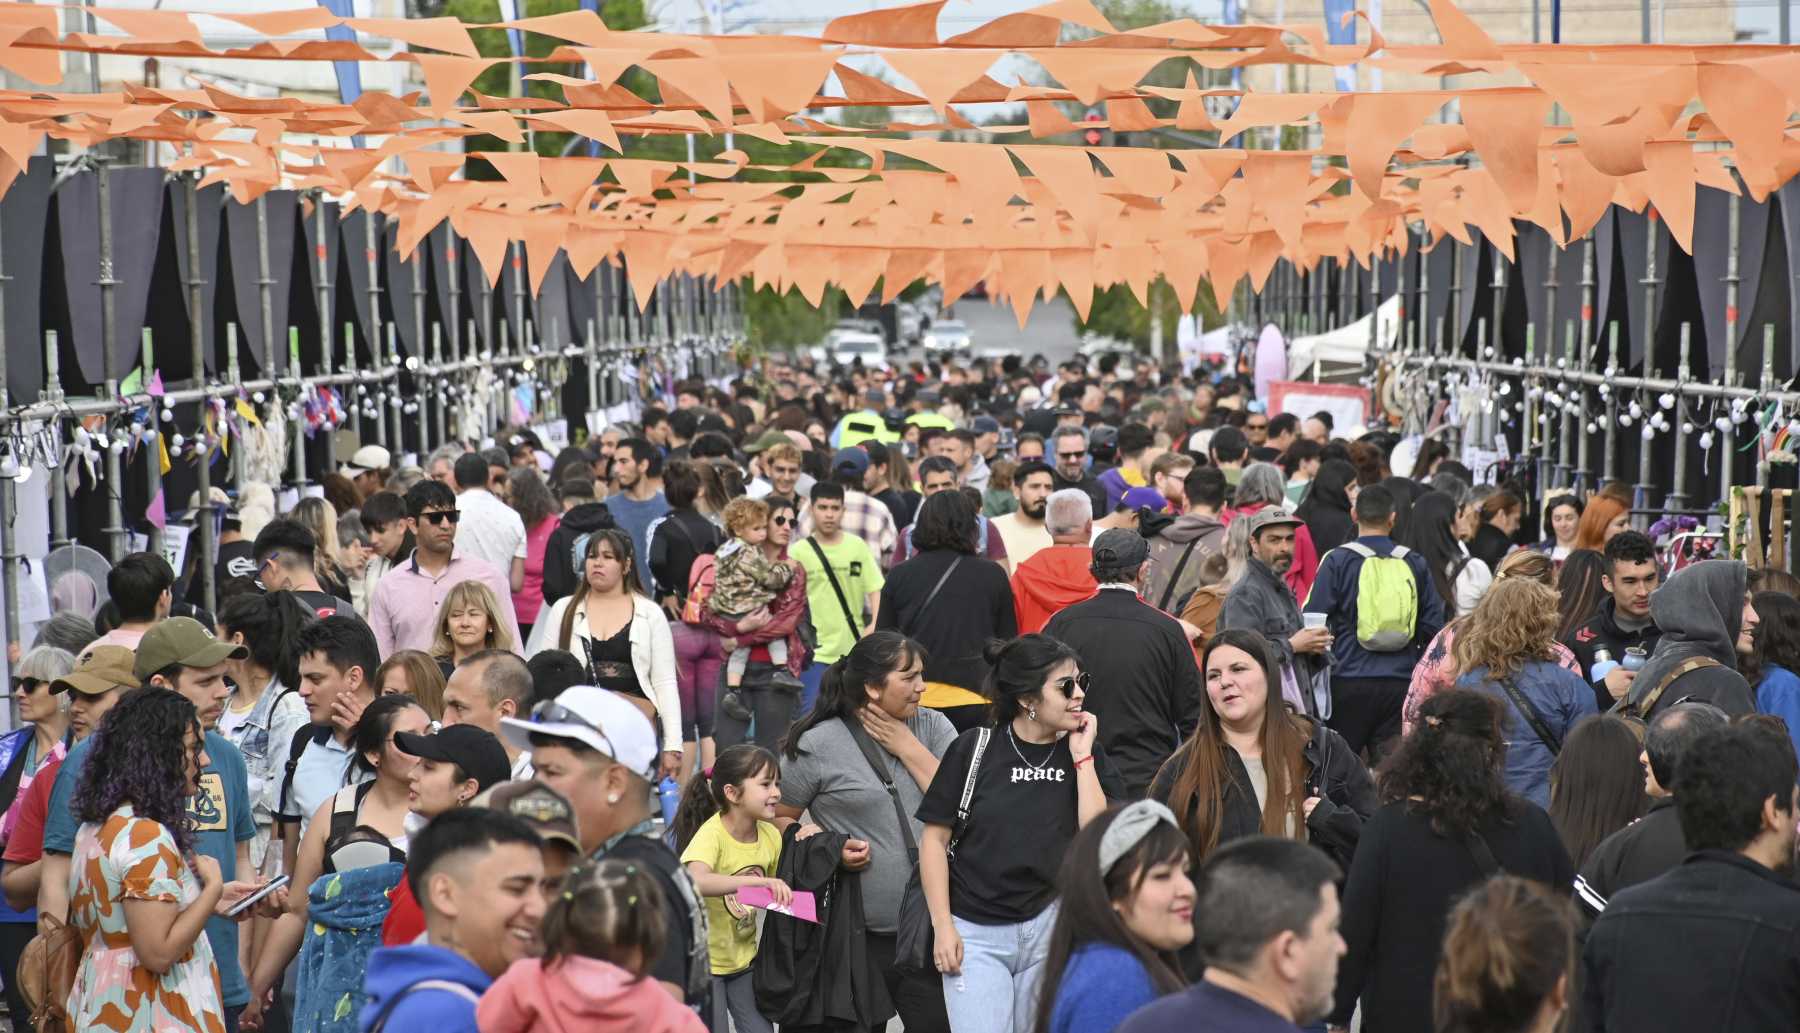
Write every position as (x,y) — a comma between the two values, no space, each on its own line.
(1387,600)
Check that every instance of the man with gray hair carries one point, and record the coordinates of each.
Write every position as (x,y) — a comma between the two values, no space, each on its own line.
(1068,458)
(1146,687)
(1055,577)
(1266,930)
(1654,843)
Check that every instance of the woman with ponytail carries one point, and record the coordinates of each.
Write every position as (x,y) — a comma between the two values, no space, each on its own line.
(871,697)
(265,710)
(1509,960)
(1038,777)
(1446,824)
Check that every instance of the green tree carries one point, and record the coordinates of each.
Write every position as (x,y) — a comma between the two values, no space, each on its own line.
(1116,313)
(780,321)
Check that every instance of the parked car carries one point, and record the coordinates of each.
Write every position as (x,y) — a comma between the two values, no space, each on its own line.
(849,346)
(947,337)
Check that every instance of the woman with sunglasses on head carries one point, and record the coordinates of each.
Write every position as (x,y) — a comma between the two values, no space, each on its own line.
(989,876)
(620,636)
(1254,767)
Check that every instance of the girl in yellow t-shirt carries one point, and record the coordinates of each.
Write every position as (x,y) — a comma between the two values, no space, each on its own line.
(728,840)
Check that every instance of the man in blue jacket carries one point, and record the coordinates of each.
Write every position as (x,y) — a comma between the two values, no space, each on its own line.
(475,873)
(1368,686)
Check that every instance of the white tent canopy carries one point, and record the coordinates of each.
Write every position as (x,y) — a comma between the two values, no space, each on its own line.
(1347,345)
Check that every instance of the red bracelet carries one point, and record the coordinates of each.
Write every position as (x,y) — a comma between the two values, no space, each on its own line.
(1082,761)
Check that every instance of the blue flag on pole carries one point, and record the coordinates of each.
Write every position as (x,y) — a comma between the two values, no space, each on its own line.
(349,73)
(1339,34)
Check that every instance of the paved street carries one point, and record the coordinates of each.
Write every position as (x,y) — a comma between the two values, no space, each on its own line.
(1050,330)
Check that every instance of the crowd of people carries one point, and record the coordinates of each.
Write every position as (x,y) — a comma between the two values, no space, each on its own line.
(990,696)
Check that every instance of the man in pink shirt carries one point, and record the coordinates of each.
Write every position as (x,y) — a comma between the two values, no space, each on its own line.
(403,610)
(140,587)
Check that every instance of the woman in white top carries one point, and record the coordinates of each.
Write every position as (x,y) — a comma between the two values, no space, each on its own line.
(619,636)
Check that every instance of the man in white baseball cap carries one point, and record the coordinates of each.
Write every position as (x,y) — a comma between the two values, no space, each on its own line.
(368,468)
(601,752)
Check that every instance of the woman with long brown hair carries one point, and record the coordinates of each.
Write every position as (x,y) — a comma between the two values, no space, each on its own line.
(1254,767)
(1507,650)
(1437,670)
(621,638)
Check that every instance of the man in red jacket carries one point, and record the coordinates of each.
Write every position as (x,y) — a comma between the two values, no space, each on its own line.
(1058,576)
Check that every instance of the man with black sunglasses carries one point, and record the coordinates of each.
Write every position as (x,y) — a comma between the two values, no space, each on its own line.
(403,610)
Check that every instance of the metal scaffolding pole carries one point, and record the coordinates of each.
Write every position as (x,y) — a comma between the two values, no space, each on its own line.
(1578,361)
(373,257)
(1549,473)
(1732,296)
(1768,386)
(1641,495)
(197,322)
(9,504)
(234,377)
(324,287)
(297,423)
(1610,458)
(109,322)
(152,440)
(1676,499)
(397,403)
(53,395)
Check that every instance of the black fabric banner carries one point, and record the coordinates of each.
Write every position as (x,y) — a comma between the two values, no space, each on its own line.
(137,196)
(355,245)
(243,304)
(22,226)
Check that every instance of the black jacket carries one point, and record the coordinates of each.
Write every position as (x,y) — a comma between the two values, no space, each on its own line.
(1146,686)
(1403,882)
(1333,773)
(561,572)
(1089,483)
(1637,853)
(809,975)
(975,605)
(1712,945)
(1602,631)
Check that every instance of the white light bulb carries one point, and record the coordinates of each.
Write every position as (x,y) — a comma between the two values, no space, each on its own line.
(1706,441)
(176,442)
(1666,400)
(412,362)
(1648,432)
(257,398)
(1591,428)
(1637,411)
(1624,419)
(168,415)
(1724,425)
(1687,427)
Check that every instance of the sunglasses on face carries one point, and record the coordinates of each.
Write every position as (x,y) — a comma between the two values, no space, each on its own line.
(781,521)
(440,516)
(1070,455)
(25,686)
(1067,686)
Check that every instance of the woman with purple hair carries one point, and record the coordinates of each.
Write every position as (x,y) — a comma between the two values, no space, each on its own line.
(141,893)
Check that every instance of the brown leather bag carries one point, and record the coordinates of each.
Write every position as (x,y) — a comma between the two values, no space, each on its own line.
(46,974)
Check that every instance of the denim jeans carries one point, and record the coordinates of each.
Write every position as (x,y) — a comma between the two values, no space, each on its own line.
(996,991)
(810,679)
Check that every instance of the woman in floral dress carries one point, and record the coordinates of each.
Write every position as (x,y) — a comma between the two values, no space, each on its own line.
(138,893)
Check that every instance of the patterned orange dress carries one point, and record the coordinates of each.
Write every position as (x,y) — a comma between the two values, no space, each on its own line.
(132,858)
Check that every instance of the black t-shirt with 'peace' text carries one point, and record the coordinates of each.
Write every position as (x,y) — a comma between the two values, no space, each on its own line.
(1021,819)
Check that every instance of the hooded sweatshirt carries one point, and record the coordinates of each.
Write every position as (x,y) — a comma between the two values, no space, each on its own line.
(392,970)
(1326,509)
(1700,610)
(1205,532)
(1050,580)
(581,995)
(561,572)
